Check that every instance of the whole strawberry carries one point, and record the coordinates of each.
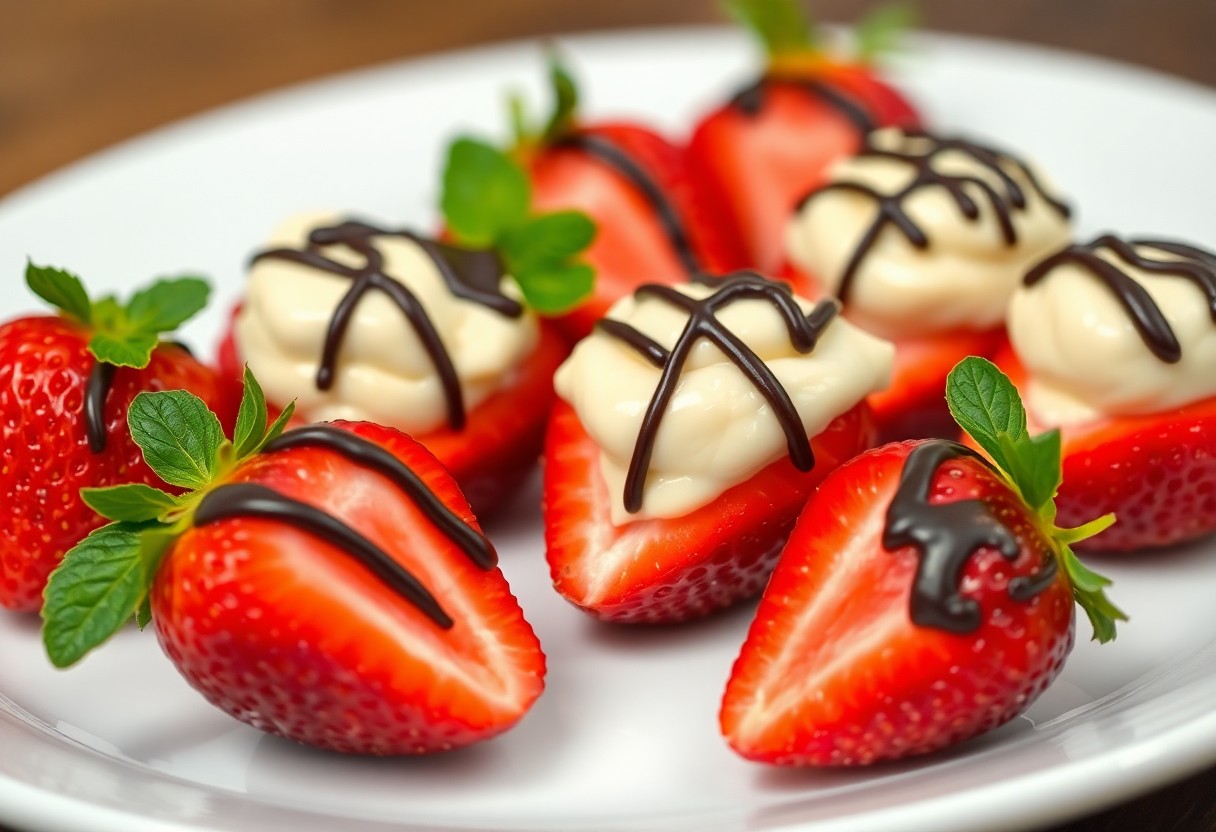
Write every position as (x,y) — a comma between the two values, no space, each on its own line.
(328,584)
(925,596)
(65,383)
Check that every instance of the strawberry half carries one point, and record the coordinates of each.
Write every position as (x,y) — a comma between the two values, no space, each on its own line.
(764,150)
(328,584)
(65,384)
(925,597)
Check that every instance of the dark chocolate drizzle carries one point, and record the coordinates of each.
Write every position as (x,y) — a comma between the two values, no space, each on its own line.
(469,274)
(1197,265)
(101,379)
(1011,197)
(253,500)
(804,332)
(614,157)
(750,99)
(945,536)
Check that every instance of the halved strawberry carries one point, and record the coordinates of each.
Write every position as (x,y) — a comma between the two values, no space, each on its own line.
(329,585)
(655,570)
(763,151)
(921,600)
(1156,472)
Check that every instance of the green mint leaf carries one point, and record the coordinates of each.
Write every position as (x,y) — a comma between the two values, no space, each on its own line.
(879,32)
(547,240)
(1089,590)
(143,615)
(565,99)
(97,587)
(251,418)
(61,289)
(986,404)
(783,26)
(135,502)
(517,114)
(484,192)
(108,313)
(167,304)
(179,436)
(552,290)
(1039,468)
(276,428)
(123,349)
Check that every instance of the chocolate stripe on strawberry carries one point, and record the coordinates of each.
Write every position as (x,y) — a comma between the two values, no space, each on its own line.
(945,536)
(1190,262)
(892,210)
(471,275)
(750,100)
(610,154)
(804,332)
(101,379)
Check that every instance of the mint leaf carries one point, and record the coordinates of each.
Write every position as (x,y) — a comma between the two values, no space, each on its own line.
(97,587)
(783,26)
(179,436)
(879,32)
(143,615)
(552,290)
(1089,590)
(484,192)
(108,313)
(517,113)
(134,502)
(124,349)
(986,404)
(546,240)
(61,289)
(251,418)
(565,99)
(277,428)
(166,304)
(1039,461)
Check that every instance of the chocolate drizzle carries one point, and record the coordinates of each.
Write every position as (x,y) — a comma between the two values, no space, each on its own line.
(891,209)
(945,536)
(253,500)
(1189,262)
(469,274)
(750,99)
(804,332)
(614,157)
(101,379)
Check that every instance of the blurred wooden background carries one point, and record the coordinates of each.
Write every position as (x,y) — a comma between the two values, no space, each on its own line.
(82,74)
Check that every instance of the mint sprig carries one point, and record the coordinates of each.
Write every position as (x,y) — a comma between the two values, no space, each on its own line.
(987,406)
(104,580)
(881,32)
(122,334)
(784,27)
(486,202)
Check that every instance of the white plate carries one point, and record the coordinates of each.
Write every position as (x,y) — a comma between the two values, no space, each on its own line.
(625,736)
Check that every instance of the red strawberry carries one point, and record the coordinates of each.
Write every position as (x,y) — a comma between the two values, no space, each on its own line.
(48,365)
(1157,473)
(671,570)
(763,151)
(921,600)
(329,585)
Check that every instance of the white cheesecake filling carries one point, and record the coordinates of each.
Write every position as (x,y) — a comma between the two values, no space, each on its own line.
(963,278)
(718,429)
(383,373)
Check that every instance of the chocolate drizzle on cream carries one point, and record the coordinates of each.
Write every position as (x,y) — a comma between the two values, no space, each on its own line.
(608,152)
(253,500)
(804,332)
(1194,264)
(750,99)
(1010,197)
(469,274)
(946,536)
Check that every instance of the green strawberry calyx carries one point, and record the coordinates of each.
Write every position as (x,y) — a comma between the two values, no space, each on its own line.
(121,334)
(103,581)
(794,44)
(562,119)
(987,406)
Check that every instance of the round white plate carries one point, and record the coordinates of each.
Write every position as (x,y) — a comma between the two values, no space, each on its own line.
(625,737)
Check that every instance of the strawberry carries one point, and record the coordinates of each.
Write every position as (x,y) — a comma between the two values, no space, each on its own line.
(328,584)
(1156,472)
(924,597)
(65,383)
(764,150)
(673,569)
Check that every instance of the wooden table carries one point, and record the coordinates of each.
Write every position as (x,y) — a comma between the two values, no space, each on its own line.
(80,74)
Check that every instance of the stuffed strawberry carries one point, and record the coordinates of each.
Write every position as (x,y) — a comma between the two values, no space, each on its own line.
(761,152)
(65,383)
(442,339)
(925,596)
(633,182)
(328,584)
(693,425)
(1114,343)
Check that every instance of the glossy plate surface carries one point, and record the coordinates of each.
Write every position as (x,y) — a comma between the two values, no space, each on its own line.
(625,737)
